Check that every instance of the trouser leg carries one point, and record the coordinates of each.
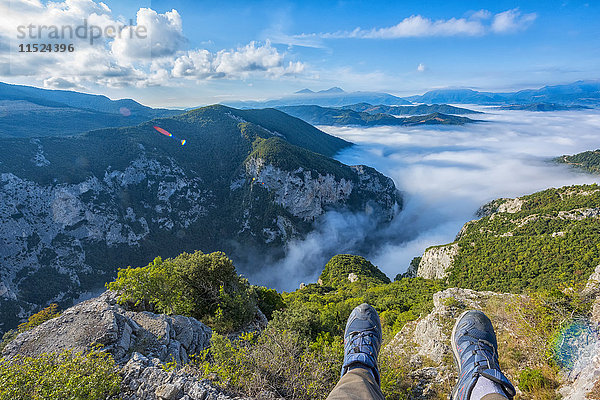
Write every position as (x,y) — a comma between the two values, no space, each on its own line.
(356,384)
(494,396)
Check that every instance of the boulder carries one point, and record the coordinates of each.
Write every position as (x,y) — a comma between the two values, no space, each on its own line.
(145,378)
(104,323)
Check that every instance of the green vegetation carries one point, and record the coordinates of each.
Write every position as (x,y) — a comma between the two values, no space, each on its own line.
(279,361)
(293,130)
(588,161)
(299,355)
(268,300)
(203,286)
(547,242)
(59,376)
(288,157)
(337,270)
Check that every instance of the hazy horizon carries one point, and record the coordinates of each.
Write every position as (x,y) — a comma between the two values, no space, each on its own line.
(195,53)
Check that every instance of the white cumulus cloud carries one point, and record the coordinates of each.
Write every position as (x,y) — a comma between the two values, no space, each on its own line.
(161,36)
(234,63)
(110,51)
(511,21)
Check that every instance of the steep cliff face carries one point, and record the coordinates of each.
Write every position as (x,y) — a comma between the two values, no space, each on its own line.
(436,261)
(297,191)
(307,194)
(53,233)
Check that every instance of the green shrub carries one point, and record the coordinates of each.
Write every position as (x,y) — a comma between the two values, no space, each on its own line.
(395,383)
(59,376)
(203,286)
(281,362)
(269,300)
(531,379)
(39,318)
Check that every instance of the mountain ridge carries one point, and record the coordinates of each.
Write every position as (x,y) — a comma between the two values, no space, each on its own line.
(327,98)
(577,93)
(34,112)
(317,115)
(245,179)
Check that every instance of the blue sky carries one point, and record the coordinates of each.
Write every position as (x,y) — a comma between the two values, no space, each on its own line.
(205,52)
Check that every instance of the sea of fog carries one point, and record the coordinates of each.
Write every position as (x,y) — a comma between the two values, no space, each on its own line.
(445,175)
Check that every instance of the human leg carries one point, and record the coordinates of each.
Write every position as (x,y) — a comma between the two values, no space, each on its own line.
(475,350)
(360,372)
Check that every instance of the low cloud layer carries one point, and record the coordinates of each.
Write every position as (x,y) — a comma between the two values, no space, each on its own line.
(149,50)
(446,174)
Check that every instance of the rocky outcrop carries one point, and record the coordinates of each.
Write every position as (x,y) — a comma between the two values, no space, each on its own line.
(426,341)
(501,205)
(423,346)
(146,379)
(436,261)
(306,194)
(430,333)
(297,191)
(102,322)
(140,342)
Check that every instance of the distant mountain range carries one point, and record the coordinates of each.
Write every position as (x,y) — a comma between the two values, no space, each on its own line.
(27,111)
(580,92)
(317,115)
(543,107)
(73,209)
(584,93)
(333,97)
(422,109)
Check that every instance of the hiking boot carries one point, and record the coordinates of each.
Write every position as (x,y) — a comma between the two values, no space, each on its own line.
(475,351)
(362,340)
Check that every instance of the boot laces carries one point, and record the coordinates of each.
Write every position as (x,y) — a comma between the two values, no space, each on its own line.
(362,342)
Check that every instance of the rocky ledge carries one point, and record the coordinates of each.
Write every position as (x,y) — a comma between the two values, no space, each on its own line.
(140,342)
(102,322)
(423,346)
